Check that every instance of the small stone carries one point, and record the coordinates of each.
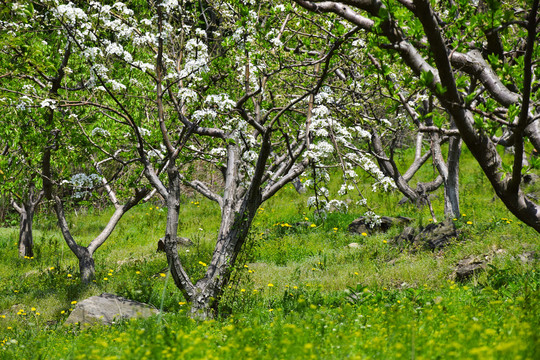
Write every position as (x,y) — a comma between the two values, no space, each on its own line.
(354,245)
(469,266)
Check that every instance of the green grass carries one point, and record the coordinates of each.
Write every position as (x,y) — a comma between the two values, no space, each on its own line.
(326,299)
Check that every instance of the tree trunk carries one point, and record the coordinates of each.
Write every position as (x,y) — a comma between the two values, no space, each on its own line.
(26,239)
(451,186)
(26,212)
(235,225)
(86,265)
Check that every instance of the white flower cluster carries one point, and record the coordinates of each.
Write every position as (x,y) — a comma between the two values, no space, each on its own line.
(187,94)
(273,37)
(169,5)
(250,156)
(222,101)
(196,60)
(319,151)
(371,219)
(219,152)
(49,103)
(69,13)
(29,88)
(82,183)
(143,66)
(24,102)
(199,115)
(144,131)
(100,131)
(116,85)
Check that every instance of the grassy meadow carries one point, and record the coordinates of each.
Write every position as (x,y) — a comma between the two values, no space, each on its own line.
(297,291)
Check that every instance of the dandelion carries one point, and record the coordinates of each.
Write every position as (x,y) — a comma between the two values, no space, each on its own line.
(69,275)
(463,214)
(246,266)
(62,312)
(37,314)
(203,264)
(182,303)
(242,290)
(313,269)
(3,316)
(15,291)
(105,278)
(335,229)
(364,234)
(454,219)
(33,309)
(356,273)
(295,287)
(138,272)
(313,225)
(469,222)
(157,207)
(73,302)
(162,274)
(251,271)
(51,268)
(384,241)
(270,310)
(270,285)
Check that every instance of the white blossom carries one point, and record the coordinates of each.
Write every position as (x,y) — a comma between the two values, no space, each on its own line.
(99,131)
(223,102)
(187,94)
(49,103)
(201,114)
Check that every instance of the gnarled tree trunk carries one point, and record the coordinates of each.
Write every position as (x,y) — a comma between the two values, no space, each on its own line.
(26,212)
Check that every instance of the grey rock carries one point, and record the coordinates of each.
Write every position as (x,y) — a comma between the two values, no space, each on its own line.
(182,241)
(528,256)
(107,308)
(431,237)
(406,236)
(360,226)
(469,266)
(436,236)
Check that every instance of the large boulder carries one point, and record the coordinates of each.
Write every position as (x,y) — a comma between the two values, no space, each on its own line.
(361,224)
(107,308)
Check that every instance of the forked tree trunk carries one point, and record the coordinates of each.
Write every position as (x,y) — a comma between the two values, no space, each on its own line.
(85,254)
(238,208)
(26,213)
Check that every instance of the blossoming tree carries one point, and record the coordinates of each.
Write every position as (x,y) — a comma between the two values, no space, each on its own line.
(476,59)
